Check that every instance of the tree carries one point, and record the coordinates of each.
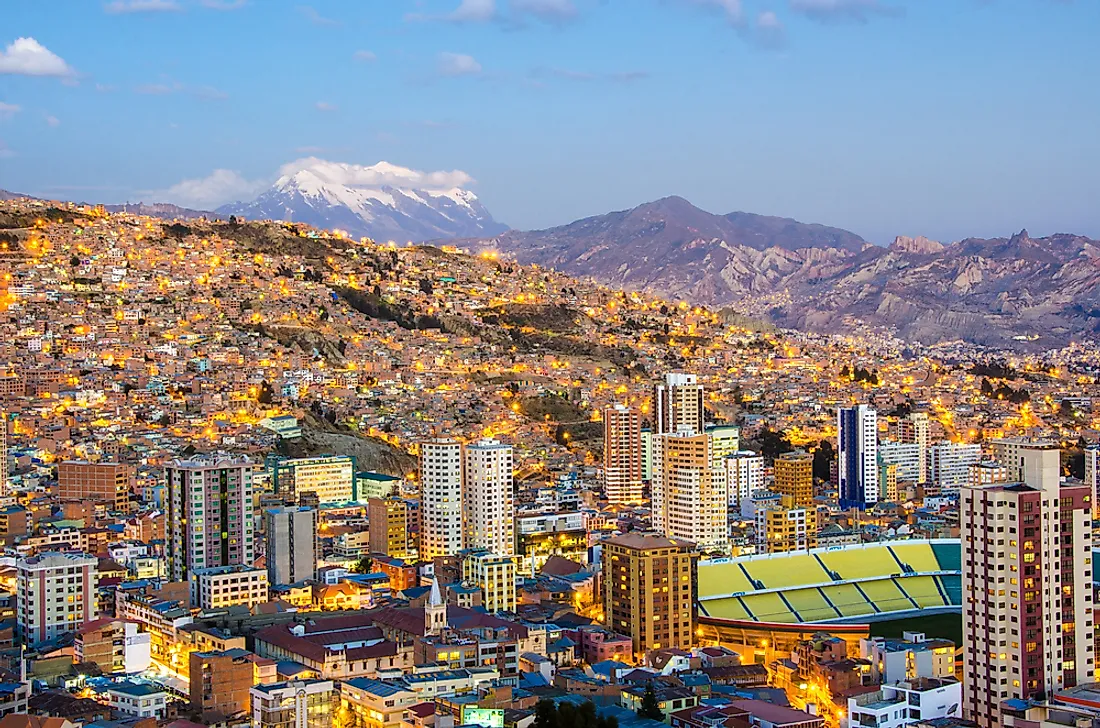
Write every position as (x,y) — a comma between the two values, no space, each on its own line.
(823,459)
(546,714)
(650,708)
(362,566)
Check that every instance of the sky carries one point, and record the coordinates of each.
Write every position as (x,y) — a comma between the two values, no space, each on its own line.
(944,118)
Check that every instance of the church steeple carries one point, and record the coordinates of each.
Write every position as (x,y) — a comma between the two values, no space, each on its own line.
(435,612)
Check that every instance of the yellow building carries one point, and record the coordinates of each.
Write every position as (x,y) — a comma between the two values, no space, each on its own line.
(794,477)
(650,584)
(785,528)
(389,527)
(496,575)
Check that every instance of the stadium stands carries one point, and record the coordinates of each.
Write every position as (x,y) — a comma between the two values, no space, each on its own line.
(835,584)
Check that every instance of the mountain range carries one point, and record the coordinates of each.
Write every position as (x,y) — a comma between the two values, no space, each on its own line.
(383,202)
(1002,292)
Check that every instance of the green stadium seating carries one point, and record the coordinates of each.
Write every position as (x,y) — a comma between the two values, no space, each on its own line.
(918,555)
(847,599)
(864,563)
(794,570)
(810,605)
(922,590)
(885,595)
(726,578)
(768,607)
(949,556)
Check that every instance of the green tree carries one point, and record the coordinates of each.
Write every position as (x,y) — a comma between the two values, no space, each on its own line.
(546,714)
(650,708)
(362,566)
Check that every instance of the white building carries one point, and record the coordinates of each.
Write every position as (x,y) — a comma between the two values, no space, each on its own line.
(910,458)
(294,704)
(857,456)
(1009,451)
(488,503)
(225,586)
(56,594)
(1092,475)
(744,476)
(3,453)
(949,463)
(440,498)
(916,429)
(907,703)
(139,700)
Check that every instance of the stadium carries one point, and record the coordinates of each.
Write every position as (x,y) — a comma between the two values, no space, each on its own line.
(765,603)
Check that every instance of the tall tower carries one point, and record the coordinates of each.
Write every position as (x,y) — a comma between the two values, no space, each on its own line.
(291,545)
(678,403)
(857,456)
(210,513)
(1026,586)
(916,429)
(794,477)
(690,497)
(744,476)
(622,454)
(650,588)
(3,453)
(1092,475)
(441,498)
(488,503)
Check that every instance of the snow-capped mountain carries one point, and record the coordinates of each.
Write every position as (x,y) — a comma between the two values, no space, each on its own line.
(382,201)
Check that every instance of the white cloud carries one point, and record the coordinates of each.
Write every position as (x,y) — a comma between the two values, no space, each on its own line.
(325,106)
(205,193)
(141,6)
(552,11)
(224,4)
(468,11)
(315,17)
(769,31)
(377,175)
(839,10)
(365,56)
(28,57)
(52,121)
(458,64)
(9,110)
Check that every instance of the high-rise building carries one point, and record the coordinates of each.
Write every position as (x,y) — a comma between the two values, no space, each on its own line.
(3,453)
(647,455)
(786,527)
(331,478)
(949,463)
(496,576)
(857,456)
(911,459)
(107,483)
(488,503)
(220,683)
(295,704)
(690,498)
(1027,586)
(56,594)
(678,403)
(1092,475)
(1009,451)
(390,526)
(210,513)
(220,587)
(888,481)
(794,476)
(744,476)
(291,538)
(986,472)
(725,440)
(650,584)
(916,429)
(622,454)
(440,499)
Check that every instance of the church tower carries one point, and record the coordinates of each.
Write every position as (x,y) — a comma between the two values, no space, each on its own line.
(435,612)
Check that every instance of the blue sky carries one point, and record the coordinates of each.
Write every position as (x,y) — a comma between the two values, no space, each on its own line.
(946,118)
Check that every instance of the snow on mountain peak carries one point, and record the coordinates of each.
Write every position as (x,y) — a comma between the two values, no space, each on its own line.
(382,174)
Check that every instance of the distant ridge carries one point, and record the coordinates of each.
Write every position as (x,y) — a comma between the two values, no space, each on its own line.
(162,210)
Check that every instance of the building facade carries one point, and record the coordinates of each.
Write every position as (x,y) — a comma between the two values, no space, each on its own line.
(441,532)
(330,478)
(56,594)
(390,529)
(294,704)
(1027,586)
(496,576)
(678,403)
(949,463)
(220,587)
(650,584)
(210,514)
(107,483)
(292,550)
(786,527)
(744,476)
(488,501)
(794,477)
(857,456)
(916,429)
(622,454)
(690,499)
